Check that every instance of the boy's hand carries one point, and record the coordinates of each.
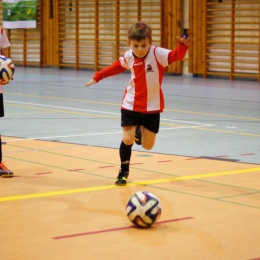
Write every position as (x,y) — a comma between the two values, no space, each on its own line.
(91,82)
(184,40)
(3,82)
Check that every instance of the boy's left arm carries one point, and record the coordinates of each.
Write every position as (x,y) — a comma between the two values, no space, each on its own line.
(180,52)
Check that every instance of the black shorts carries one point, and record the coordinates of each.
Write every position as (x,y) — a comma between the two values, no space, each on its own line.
(149,121)
(1,105)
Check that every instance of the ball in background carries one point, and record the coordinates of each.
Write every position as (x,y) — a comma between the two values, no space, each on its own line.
(6,69)
(143,209)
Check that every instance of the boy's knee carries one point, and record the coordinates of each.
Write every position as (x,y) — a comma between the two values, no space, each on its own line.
(147,146)
(128,141)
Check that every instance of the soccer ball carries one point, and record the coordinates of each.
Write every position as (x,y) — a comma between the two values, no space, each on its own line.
(6,69)
(143,209)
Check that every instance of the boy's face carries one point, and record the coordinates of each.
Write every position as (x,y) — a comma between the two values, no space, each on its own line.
(140,48)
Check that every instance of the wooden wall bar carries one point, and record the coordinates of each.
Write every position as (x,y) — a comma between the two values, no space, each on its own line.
(197,32)
(224,35)
(93,34)
(227,37)
(172,26)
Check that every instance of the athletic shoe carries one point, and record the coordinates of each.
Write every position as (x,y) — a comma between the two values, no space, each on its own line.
(121,178)
(4,172)
(138,137)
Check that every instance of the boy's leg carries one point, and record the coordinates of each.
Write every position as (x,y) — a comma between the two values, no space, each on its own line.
(149,128)
(125,156)
(148,138)
(138,135)
(144,137)
(4,172)
(125,152)
(0,149)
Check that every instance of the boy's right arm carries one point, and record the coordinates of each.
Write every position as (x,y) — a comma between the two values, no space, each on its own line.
(112,70)
(4,52)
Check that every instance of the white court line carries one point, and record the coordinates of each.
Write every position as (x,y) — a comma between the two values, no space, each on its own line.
(230,126)
(187,122)
(54,137)
(96,111)
(184,127)
(59,107)
(93,134)
(197,124)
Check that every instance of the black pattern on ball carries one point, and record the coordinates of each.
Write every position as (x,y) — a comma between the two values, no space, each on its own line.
(7,68)
(143,209)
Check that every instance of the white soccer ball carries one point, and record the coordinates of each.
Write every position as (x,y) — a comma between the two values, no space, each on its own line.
(6,68)
(143,209)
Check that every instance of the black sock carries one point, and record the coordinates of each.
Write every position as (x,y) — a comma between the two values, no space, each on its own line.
(125,155)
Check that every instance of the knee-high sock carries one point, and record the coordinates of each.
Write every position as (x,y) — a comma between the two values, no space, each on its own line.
(125,155)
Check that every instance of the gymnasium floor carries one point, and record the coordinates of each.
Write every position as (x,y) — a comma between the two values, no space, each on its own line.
(61,140)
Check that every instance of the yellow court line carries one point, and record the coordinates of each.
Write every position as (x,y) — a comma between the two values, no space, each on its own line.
(131,184)
(64,111)
(116,104)
(216,130)
(211,114)
(224,131)
(257,135)
(28,113)
(65,99)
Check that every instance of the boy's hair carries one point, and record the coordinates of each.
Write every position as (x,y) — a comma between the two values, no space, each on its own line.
(140,31)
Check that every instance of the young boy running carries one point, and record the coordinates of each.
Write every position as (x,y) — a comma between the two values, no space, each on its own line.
(143,99)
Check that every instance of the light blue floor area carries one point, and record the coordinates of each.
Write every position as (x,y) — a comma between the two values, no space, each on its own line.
(203,117)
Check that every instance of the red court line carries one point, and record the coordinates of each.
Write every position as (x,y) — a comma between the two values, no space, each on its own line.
(244,154)
(221,156)
(165,161)
(118,229)
(38,173)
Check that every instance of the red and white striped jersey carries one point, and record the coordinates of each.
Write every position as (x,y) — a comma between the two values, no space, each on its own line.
(143,92)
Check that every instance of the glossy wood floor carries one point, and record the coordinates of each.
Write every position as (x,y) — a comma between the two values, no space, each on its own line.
(61,141)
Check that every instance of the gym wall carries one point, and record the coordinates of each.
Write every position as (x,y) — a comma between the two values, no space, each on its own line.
(80,34)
